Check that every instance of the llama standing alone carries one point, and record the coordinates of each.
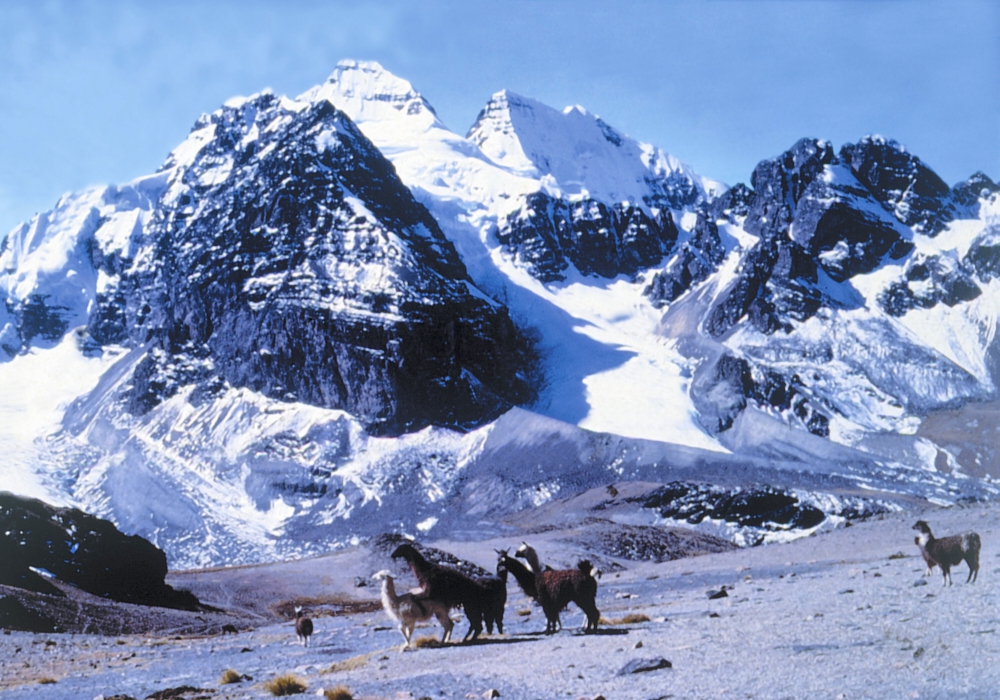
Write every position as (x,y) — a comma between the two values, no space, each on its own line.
(303,626)
(407,611)
(555,589)
(949,551)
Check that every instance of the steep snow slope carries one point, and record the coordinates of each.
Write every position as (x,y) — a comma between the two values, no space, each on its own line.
(249,318)
(605,369)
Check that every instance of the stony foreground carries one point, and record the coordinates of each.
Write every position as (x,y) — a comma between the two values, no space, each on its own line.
(839,615)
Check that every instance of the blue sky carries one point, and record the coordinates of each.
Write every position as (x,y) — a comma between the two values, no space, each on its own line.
(100,92)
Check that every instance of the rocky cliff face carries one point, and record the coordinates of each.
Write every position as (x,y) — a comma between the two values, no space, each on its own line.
(281,309)
(839,242)
(81,550)
(284,255)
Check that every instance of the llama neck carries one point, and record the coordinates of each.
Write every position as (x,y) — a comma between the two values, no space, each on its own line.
(525,577)
(388,589)
(531,556)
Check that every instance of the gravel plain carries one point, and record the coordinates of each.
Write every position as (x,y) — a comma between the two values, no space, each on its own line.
(843,614)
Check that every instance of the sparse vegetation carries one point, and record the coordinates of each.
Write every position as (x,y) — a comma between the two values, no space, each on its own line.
(428,642)
(629,619)
(340,692)
(285,685)
(524,612)
(350,664)
(47,680)
(230,676)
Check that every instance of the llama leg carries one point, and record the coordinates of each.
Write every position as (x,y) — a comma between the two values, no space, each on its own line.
(447,624)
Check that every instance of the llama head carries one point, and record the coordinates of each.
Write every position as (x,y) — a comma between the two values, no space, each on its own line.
(406,551)
(922,527)
(384,574)
(298,611)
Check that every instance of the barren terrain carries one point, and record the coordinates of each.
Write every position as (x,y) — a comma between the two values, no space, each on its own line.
(843,614)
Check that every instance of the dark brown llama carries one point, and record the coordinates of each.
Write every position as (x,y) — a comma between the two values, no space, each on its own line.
(949,551)
(555,589)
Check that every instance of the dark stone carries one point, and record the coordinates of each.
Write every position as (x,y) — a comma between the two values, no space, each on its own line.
(733,204)
(646,665)
(846,239)
(983,257)
(929,281)
(178,692)
(84,551)
(14,616)
(751,282)
(907,188)
(263,280)
(764,507)
(970,192)
(549,234)
(694,261)
(779,183)
(38,319)
(715,595)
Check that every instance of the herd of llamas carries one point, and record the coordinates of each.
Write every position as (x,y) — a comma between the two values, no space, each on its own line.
(442,588)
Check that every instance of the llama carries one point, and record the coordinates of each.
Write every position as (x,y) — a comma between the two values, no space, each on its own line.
(447,586)
(927,557)
(303,626)
(555,589)
(497,589)
(949,551)
(407,612)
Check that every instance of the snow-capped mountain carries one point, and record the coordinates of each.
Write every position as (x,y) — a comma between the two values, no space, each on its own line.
(312,322)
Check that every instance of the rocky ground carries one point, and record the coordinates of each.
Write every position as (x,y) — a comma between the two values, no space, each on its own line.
(844,614)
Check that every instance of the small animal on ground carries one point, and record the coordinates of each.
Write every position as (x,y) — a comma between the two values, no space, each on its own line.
(949,551)
(303,626)
(407,611)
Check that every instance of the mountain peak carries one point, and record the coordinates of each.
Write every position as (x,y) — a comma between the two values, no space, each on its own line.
(368,92)
(578,154)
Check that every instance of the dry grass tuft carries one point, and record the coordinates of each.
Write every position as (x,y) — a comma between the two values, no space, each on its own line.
(340,692)
(285,685)
(524,612)
(629,619)
(355,662)
(428,642)
(325,606)
(633,619)
(47,680)
(230,676)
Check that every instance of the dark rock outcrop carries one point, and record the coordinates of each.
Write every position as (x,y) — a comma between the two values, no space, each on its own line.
(813,210)
(929,281)
(694,261)
(968,194)
(286,256)
(732,205)
(547,235)
(81,550)
(763,507)
(983,257)
(734,382)
(901,182)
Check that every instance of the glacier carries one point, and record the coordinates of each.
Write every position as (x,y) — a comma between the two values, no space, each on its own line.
(829,330)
